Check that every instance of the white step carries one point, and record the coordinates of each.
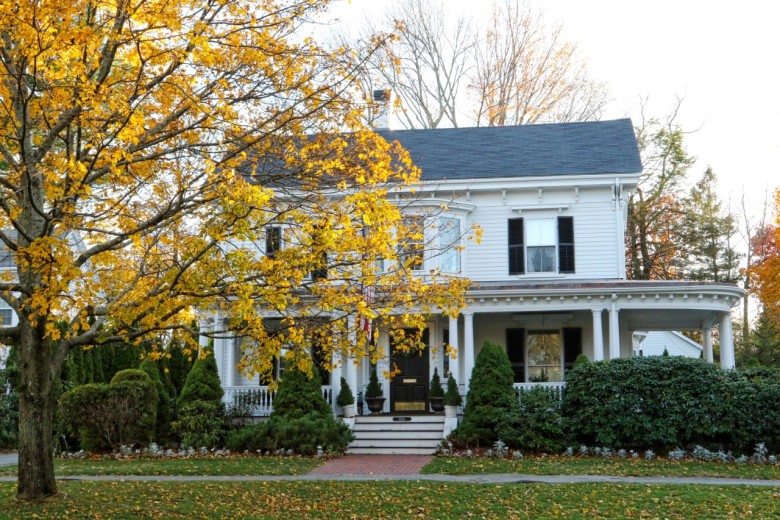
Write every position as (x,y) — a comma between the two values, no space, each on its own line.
(395,443)
(390,451)
(388,434)
(410,434)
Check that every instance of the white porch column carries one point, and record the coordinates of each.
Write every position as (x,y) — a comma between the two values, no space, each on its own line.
(455,358)
(614,333)
(726,342)
(230,369)
(706,334)
(468,347)
(598,336)
(349,367)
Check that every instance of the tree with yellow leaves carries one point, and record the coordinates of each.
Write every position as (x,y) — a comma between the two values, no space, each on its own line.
(151,152)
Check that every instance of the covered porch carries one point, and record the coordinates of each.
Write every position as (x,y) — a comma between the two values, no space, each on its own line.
(543,327)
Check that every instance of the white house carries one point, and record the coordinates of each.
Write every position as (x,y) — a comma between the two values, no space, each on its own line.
(656,342)
(549,274)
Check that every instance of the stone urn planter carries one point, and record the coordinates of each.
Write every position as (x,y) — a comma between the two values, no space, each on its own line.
(348,410)
(437,404)
(450,412)
(374,398)
(375,404)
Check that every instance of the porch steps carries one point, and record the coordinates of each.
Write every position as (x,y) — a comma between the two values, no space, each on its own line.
(397,434)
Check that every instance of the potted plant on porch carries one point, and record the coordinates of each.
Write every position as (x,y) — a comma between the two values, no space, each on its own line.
(436,393)
(374,398)
(452,399)
(346,400)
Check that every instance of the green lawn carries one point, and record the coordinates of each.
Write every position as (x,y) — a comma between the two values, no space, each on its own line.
(600,466)
(239,465)
(427,500)
(193,466)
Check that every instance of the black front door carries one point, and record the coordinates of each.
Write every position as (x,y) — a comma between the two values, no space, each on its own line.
(409,389)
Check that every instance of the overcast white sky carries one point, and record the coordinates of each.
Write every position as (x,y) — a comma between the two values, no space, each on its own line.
(723,57)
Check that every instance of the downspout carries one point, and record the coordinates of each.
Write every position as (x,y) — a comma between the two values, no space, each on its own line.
(619,231)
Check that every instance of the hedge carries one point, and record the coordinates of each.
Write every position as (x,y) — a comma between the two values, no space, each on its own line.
(666,402)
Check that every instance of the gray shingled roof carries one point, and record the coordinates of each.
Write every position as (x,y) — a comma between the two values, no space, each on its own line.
(591,148)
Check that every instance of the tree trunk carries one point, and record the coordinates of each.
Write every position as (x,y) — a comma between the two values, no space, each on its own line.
(36,457)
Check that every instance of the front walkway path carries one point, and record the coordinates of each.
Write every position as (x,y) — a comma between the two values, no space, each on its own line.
(374,465)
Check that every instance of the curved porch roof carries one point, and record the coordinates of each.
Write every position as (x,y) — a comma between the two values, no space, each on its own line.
(643,304)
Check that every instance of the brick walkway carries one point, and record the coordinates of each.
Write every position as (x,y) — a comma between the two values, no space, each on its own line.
(374,465)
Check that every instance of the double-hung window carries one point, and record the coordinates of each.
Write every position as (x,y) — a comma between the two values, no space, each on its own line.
(449,243)
(411,242)
(273,240)
(541,245)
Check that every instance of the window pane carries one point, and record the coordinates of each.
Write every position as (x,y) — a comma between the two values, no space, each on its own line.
(541,259)
(449,240)
(5,317)
(541,232)
(410,248)
(544,356)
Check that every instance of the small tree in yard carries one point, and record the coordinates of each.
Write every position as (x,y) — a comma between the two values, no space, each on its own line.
(301,421)
(491,398)
(164,401)
(200,419)
(105,416)
(203,382)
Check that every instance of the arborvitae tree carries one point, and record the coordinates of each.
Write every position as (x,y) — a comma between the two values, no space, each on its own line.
(202,382)
(179,364)
(491,397)
(299,395)
(709,230)
(143,430)
(164,403)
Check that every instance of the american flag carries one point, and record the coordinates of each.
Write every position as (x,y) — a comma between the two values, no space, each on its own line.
(368,297)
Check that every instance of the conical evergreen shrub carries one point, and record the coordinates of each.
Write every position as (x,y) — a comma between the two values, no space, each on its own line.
(491,398)
(300,394)
(164,404)
(202,382)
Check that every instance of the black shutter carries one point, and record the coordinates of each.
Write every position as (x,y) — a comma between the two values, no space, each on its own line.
(572,346)
(516,252)
(273,240)
(565,244)
(515,349)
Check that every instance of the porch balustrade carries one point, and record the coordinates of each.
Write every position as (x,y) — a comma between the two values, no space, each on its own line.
(555,389)
(259,400)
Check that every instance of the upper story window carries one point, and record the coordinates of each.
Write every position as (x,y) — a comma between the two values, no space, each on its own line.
(411,246)
(449,242)
(273,240)
(6,315)
(543,245)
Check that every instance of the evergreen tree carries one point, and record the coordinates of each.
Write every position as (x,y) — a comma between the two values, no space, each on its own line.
(709,230)
(764,344)
(299,395)
(178,364)
(491,398)
(164,408)
(202,382)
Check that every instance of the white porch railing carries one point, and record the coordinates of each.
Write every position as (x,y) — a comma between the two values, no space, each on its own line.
(258,400)
(554,388)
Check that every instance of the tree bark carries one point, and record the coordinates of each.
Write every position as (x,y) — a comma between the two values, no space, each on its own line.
(36,458)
